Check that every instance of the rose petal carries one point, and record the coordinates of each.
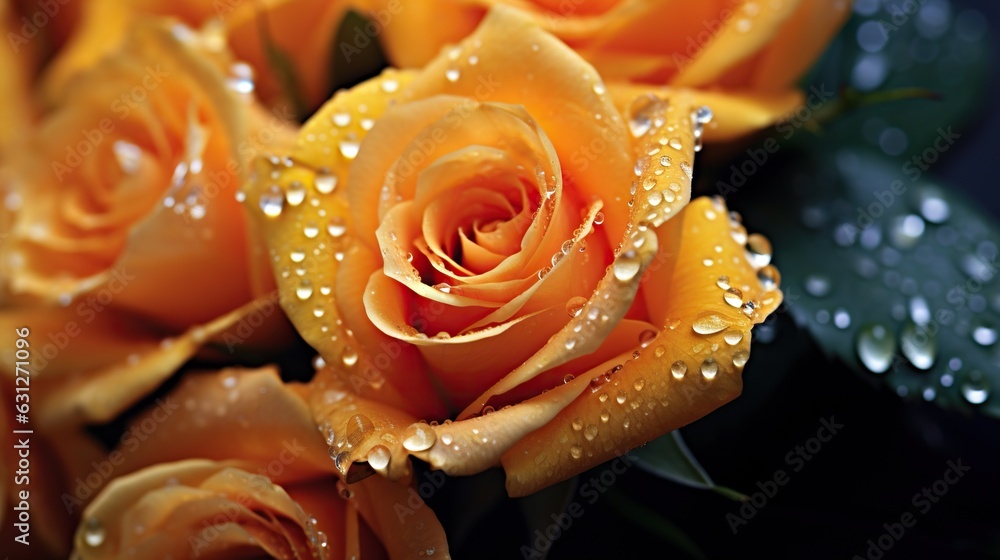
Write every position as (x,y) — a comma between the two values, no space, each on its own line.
(524,65)
(798,44)
(250,414)
(742,36)
(106,362)
(101,224)
(195,506)
(669,181)
(735,113)
(321,267)
(645,398)
(403,522)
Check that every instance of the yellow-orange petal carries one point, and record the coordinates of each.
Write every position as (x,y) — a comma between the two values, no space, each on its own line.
(742,36)
(735,113)
(309,243)
(92,365)
(519,63)
(195,507)
(399,517)
(798,44)
(692,367)
(234,413)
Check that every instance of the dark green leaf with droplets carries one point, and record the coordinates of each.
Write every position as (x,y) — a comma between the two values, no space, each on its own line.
(669,457)
(847,246)
(950,59)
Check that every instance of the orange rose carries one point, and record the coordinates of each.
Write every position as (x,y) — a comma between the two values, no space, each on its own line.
(304,30)
(744,57)
(128,186)
(493,230)
(128,252)
(261,485)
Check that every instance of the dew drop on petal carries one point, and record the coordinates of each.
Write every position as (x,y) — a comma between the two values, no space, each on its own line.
(378,457)
(272,201)
(709,368)
(419,437)
(709,324)
(93,532)
(678,369)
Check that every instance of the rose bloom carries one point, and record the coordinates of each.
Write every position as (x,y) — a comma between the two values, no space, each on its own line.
(742,57)
(497,243)
(230,465)
(125,249)
(301,30)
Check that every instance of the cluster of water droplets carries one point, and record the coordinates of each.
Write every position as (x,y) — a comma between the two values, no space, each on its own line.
(895,257)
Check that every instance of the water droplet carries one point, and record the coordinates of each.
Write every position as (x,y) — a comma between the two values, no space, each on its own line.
(639,384)
(304,291)
(709,324)
(341,118)
(740,358)
(311,230)
(703,115)
(591,432)
(295,193)
(723,282)
(622,397)
(733,337)
(818,285)
(452,74)
(641,112)
(758,250)
(769,278)
(709,368)
(325,181)
(646,337)
(734,297)
(626,266)
(841,318)
(350,146)
(349,356)
(93,532)
(599,88)
(577,424)
(443,288)
(390,85)
(599,218)
(378,457)
(984,334)
(905,231)
(678,369)
(129,156)
(576,451)
(975,389)
(419,437)
(605,416)
(447,439)
(336,227)
(933,208)
(272,201)
(919,345)
(876,347)
(575,305)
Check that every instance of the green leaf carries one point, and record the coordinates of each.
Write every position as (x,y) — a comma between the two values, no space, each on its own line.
(670,458)
(890,272)
(356,54)
(946,53)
